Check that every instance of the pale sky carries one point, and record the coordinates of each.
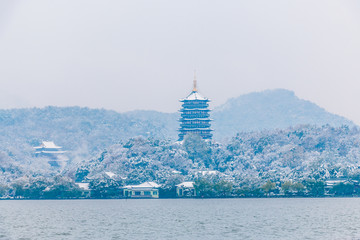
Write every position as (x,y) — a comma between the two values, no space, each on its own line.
(127,55)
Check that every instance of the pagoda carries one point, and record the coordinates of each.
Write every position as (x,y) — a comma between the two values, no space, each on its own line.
(195,115)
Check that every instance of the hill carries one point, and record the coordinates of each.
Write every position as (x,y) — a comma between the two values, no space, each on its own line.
(270,109)
(78,129)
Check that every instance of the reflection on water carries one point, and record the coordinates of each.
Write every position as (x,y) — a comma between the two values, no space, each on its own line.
(330,218)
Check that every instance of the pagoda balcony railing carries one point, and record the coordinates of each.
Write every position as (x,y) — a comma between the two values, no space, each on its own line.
(192,129)
(191,106)
(195,120)
(194,110)
(195,125)
(204,115)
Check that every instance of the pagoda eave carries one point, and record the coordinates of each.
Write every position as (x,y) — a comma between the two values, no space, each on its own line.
(194,129)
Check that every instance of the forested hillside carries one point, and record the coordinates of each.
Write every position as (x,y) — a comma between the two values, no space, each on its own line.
(249,161)
(294,153)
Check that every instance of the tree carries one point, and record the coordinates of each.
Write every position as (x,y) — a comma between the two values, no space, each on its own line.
(286,187)
(298,188)
(105,188)
(268,186)
(343,189)
(197,149)
(62,188)
(223,188)
(204,187)
(315,188)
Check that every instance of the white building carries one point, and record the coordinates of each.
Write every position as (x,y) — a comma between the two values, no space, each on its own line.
(185,189)
(144,190)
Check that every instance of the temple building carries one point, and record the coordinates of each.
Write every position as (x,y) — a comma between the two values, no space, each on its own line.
(195,115)
(48,149)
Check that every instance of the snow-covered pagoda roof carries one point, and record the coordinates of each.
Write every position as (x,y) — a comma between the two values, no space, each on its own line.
(46,144)
(195,95)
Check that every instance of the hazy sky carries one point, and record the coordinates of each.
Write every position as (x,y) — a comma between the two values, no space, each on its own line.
(127,55)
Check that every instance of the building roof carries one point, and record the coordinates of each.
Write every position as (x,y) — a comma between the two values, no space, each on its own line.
(145,185)
(110,174)
(46,144)
(186,184)
(195,95)
(203,173)
(332,182)
(84,186)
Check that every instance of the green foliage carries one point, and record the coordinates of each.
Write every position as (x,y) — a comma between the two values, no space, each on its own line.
(198,149)
(248,192)
(106,188)
(298,188)
(81,174)
(268,187)
(315,188)
(287,187)
(204,187)
(343,189)
(223,188)
(212,186)
(45,188)
(290,188)
(167,192)
(62,188)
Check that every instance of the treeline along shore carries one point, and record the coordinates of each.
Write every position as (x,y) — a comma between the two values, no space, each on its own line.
(205,188)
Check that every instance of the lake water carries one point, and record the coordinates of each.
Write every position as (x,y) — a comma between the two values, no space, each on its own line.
(327,218)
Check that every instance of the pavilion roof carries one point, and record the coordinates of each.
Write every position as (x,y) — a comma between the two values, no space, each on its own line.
(46,144)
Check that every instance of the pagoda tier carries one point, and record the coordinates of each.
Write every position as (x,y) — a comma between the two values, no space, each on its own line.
(195,115)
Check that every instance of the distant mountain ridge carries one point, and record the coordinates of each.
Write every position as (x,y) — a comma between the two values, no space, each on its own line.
(91,130)
(270,109)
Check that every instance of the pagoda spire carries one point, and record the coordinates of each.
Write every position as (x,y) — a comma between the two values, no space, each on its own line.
(195,88)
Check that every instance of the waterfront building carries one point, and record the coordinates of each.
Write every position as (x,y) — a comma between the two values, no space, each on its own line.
(195,115)
(185,189)
(144,190)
